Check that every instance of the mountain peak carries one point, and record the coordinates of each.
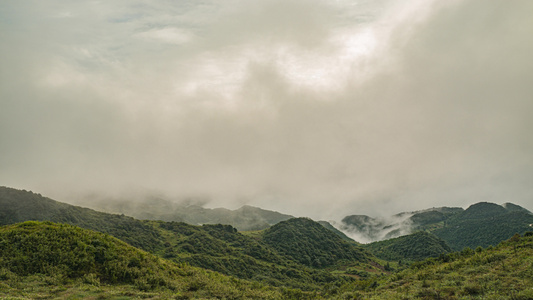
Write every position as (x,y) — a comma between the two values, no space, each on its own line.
(483,210)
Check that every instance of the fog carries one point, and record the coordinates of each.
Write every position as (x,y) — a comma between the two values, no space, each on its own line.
(312,108)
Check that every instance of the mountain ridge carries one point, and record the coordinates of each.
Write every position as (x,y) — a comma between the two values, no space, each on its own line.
(189,211)
(481,224)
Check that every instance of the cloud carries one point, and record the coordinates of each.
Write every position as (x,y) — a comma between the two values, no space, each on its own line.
(306,107)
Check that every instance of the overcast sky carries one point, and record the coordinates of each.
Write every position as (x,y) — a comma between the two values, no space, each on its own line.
(315,108)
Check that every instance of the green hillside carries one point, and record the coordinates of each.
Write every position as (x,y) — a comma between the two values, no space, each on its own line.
(19,206)
(311,244)
(482,224)
(413,247)
(222,248)
(59,259)
(502,272)
(215,247)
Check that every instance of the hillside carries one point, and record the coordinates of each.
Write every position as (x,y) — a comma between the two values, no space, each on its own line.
(63,259)
(311,244)
(19,206)
(215,247)
(413,247)
(501,272)
(47,260)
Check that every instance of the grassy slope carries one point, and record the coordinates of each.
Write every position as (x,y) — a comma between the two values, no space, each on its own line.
(58,260)
(502,272)
(51,261)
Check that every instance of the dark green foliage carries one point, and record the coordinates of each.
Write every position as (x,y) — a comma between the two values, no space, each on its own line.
(416,246)
(310,244)
(60,249)
(427,217)
(463,231)
(221,248)
(481,224)
(482,210)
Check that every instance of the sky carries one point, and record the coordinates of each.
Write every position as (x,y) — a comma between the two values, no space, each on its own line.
(309,107)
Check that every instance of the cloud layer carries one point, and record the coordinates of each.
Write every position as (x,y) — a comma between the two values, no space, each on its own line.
(307,107)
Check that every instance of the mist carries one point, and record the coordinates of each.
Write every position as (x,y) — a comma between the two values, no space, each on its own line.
(310,108)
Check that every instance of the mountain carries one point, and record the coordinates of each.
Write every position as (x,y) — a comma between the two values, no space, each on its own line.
(484,224)
(481,224)
(369,229)
(156,208)
(217,247)
(311,244)
(412,247)
(49,258)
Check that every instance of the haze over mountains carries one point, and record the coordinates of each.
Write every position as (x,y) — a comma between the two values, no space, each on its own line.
(191,211)
(481,224)
(511,218)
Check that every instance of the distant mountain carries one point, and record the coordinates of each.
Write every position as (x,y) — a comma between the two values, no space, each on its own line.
(481,224)
(155,208)
(369,229)
(412,247)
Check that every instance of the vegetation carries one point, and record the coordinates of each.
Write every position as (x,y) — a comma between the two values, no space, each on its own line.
(61,260)
(215,247)
(502,272)
(484,224)
(222,248)
(310,244)
(19,206)
(413,247)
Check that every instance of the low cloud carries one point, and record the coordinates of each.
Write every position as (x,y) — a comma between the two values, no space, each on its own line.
(304,107)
